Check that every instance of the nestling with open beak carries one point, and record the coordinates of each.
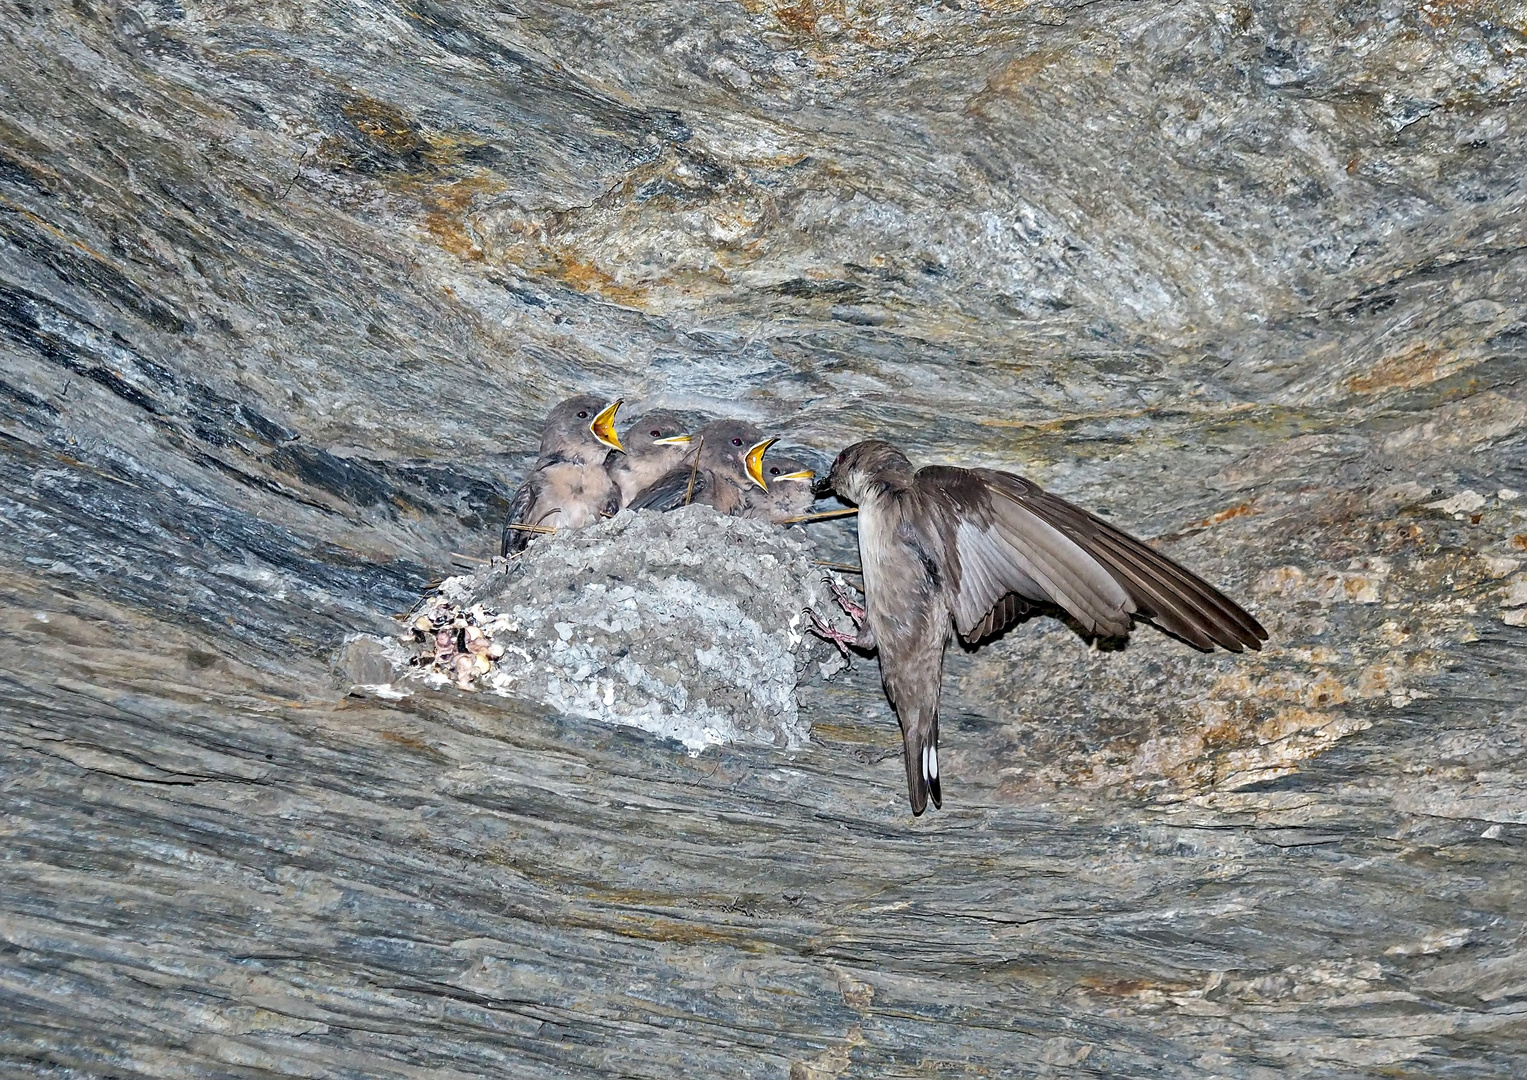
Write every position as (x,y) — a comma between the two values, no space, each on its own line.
(971,551)
(789,493)
(568,487)
(654,445)
(727,462)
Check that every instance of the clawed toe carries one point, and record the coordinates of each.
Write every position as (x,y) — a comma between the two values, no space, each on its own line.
(827,632)
(845,601)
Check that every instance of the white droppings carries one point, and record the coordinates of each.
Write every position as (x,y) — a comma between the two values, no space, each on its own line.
(385,691)
(1465,502)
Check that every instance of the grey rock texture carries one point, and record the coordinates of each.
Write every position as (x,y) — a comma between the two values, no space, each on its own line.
(284,289)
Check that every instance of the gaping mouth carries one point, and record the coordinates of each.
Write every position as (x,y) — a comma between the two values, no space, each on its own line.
(752,461)
(603,426)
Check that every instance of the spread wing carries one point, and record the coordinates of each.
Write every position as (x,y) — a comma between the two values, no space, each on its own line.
(1171,596)
(520,508)
(1006,550)
(1004,613)
(671,490)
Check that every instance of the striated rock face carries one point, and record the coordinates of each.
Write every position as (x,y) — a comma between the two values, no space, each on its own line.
(284,290)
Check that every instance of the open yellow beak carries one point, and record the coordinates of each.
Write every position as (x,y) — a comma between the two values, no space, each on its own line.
(672,440)
(752,461)
(800,474)
(603,426)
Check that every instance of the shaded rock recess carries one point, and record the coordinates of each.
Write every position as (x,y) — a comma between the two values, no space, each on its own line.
(284,289)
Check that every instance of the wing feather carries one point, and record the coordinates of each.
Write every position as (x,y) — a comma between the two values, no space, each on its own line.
(520,508)
(1004,613)
(1175,598)
(668,491)
(1004,548)
(1072,578)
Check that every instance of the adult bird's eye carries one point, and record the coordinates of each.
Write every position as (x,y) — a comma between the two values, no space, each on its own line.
(583,414)
(655,432)
(736,442)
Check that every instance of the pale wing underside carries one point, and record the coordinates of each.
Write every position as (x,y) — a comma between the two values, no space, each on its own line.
(1173,597)
(1007,550)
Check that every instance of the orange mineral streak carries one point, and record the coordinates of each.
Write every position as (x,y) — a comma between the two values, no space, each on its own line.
(1417,365)
(588,277)
(447,215)
(385,125)
(802,17)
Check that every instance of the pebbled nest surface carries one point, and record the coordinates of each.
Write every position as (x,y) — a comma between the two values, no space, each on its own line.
(689,625)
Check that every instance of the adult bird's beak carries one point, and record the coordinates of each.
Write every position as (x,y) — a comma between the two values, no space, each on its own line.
(805,475)
(603,426)
(753,461)
(672,440)
(822,488)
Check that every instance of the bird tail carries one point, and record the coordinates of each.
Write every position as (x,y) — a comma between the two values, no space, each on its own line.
(921,742)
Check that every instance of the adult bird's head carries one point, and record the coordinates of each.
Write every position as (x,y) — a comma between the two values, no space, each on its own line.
(867,467)
(583,423)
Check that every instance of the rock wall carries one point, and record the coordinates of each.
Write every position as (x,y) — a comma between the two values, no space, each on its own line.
(284,289)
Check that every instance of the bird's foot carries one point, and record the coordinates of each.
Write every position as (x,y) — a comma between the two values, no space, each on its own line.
(827,632)
(845,601)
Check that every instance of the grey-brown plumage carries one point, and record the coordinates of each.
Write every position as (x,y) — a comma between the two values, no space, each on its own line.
(654,445)
(970,551)
(724,468)
(788,495)
(568,486)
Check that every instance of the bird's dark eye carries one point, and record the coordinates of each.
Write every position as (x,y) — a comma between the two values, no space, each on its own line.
(583,414)
(773,470)
(736,442)
(655,432)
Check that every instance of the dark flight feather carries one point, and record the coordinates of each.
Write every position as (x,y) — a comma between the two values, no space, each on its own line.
(1169,594)
(669,491)
(519,509)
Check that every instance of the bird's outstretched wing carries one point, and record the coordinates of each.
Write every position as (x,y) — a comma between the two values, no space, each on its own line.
(519,514)
(1100,575)
(671,490)
(1004,613)
(1169,594)
(1005,549)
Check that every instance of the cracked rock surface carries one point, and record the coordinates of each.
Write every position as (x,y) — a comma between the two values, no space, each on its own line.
(284,291)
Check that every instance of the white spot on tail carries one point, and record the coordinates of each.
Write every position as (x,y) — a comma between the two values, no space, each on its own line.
(931,768)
